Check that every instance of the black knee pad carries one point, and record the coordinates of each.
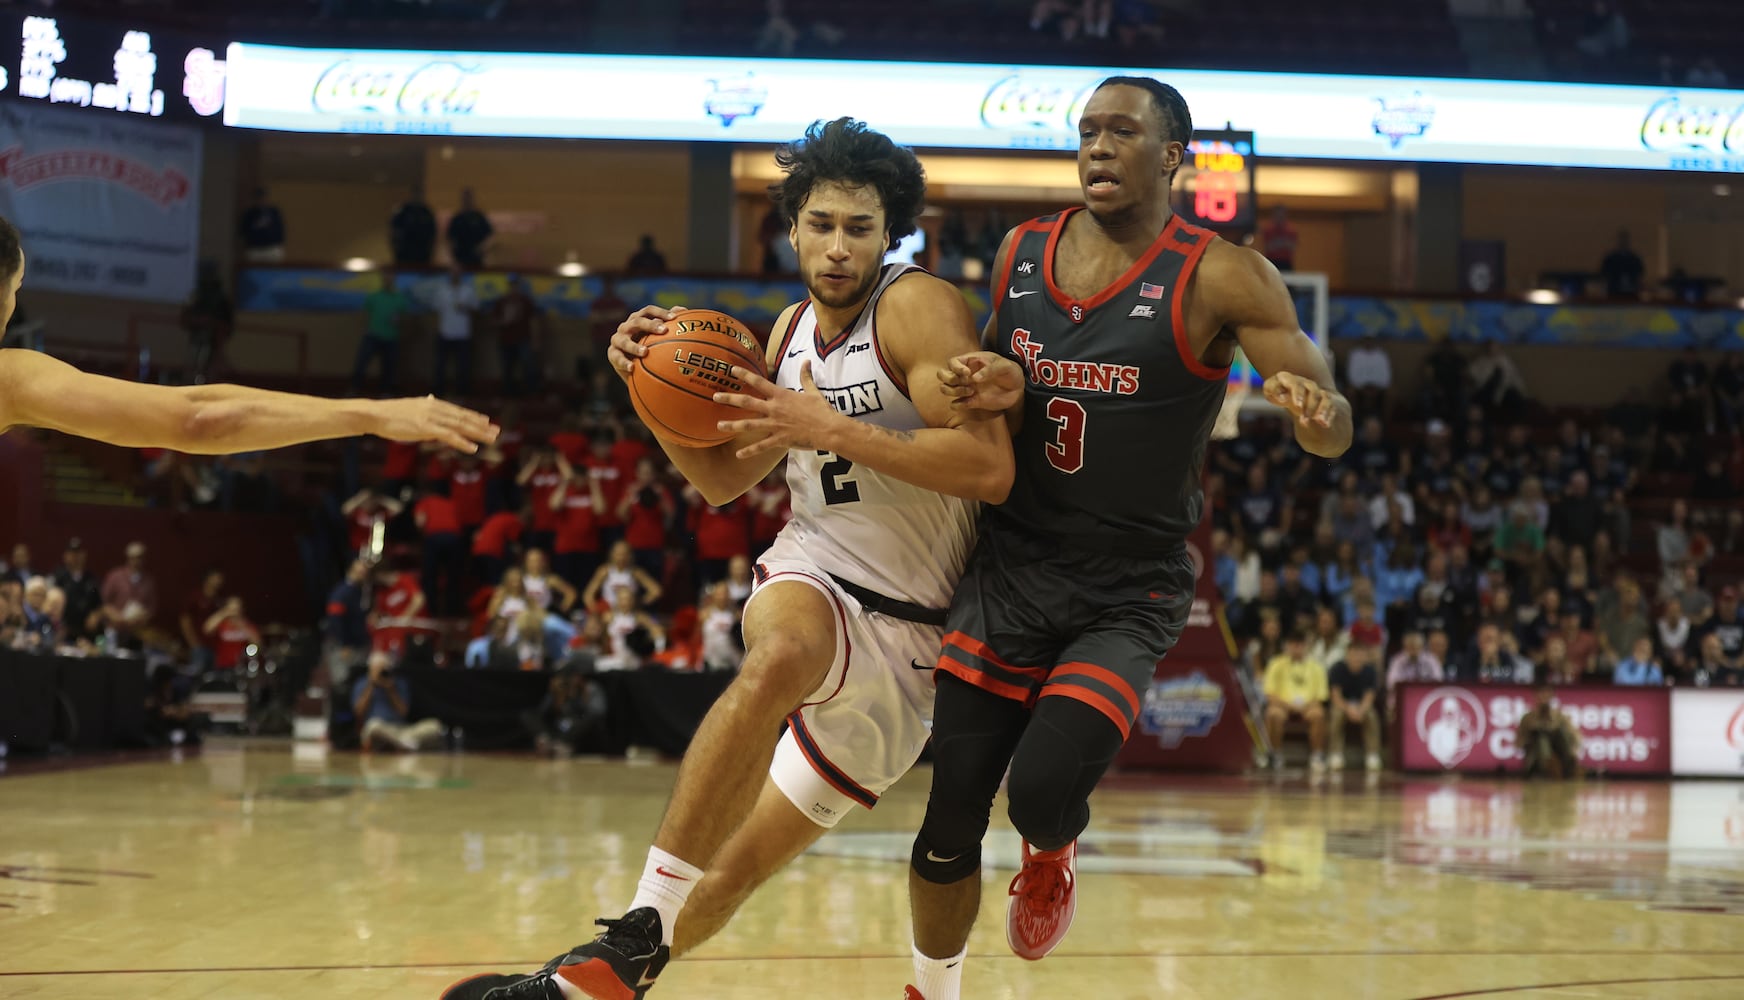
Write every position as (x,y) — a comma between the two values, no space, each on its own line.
(1061,757)
(973,734)
(948,866)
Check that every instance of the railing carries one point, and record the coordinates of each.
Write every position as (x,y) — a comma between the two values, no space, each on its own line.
(164,335)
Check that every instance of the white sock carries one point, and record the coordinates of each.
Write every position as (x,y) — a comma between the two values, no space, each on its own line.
(666,884)
(939,978)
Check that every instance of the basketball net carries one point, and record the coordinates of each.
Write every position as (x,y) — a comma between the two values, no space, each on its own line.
(1228,423)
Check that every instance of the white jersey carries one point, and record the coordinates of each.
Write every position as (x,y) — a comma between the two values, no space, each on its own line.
(865,527)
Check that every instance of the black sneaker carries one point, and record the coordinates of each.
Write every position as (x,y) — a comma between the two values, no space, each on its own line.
(620,964)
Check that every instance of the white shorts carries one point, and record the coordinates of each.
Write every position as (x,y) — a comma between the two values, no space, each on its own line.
(867,722)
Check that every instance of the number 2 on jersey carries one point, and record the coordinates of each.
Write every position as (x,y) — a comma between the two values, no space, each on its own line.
(1066,452)
(839,486)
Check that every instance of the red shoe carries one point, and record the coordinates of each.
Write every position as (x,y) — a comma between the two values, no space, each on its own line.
(910,993)
(1043,899)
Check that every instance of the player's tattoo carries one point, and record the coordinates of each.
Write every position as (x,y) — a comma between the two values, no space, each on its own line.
(899,435)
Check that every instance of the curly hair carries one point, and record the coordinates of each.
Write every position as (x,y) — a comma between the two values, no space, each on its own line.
(848,152)
(11,250)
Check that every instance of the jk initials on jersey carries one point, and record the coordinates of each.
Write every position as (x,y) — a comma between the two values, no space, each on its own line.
(1087,375)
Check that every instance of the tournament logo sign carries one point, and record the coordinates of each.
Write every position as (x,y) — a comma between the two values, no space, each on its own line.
(730,100)
(1406,119)
(1450,722)
(1180,707)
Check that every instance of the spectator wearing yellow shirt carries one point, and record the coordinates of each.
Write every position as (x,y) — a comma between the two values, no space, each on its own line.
(1296,688)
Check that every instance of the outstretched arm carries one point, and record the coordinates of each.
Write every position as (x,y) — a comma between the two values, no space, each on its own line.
(1250,300)
(39,391)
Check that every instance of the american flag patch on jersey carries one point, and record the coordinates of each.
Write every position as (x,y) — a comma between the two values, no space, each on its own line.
(1146,290)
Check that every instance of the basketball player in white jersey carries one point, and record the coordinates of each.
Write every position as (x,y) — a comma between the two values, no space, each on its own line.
(39,391)
(846,618)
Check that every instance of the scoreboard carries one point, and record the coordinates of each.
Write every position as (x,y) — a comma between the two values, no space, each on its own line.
(1215,185)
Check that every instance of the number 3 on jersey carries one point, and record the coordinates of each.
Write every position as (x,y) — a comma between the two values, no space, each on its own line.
(1066,452)
(838,483)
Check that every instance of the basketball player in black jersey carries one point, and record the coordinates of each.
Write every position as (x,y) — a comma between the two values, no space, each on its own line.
(1108,353)
(39,391)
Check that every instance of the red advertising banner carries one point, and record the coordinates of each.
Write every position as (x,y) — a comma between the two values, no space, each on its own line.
(1471,727)
(1194,715)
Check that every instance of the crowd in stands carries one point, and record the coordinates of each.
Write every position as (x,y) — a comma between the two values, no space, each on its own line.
(586,545)
(1475,536)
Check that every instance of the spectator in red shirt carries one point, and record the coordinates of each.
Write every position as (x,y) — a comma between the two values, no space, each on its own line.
(363,512)
(399,466)
(630,449)
(444,557)
(490,544)
(1278,239)
(578,501)
(771,509)
(544,470)
(438,463)
(570,440)
(201,605)
(130,599)
(646,510)
(396,611)
(230,633)
(612,482)
(513,436)
(720,532)
(521,332)
(466,487)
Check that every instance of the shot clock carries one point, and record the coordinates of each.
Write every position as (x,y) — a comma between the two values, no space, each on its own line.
(1215,186)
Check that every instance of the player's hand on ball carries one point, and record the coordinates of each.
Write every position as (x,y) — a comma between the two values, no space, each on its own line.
(982,381)
(800,419)
(431,419)
(627,342)
(1304,398)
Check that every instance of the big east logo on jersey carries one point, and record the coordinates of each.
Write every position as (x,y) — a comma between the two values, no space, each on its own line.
(1093,376)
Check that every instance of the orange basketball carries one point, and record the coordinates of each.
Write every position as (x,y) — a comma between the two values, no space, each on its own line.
(674,385)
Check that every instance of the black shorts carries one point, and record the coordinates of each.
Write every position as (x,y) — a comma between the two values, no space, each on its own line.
(1036,617)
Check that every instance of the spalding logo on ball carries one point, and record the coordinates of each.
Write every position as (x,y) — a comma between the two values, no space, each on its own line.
(673,387)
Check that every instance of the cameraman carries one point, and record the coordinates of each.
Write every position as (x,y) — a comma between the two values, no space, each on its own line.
(572,717)
(1545,733)
(382,700)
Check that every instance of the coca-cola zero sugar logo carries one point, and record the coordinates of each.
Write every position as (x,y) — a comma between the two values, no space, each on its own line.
(1735,730)
(435,89)
(1017,102)
(1672,125)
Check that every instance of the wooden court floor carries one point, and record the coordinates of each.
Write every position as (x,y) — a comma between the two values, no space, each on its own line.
(259,873)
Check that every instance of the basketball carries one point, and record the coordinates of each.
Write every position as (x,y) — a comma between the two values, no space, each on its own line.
(673,386)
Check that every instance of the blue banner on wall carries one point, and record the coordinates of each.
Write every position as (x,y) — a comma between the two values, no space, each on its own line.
(1657,327)
(753,301)
(757,303)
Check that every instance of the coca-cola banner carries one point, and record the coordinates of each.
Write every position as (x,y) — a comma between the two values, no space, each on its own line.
(1471,727)
(965,106)
(1710,732)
